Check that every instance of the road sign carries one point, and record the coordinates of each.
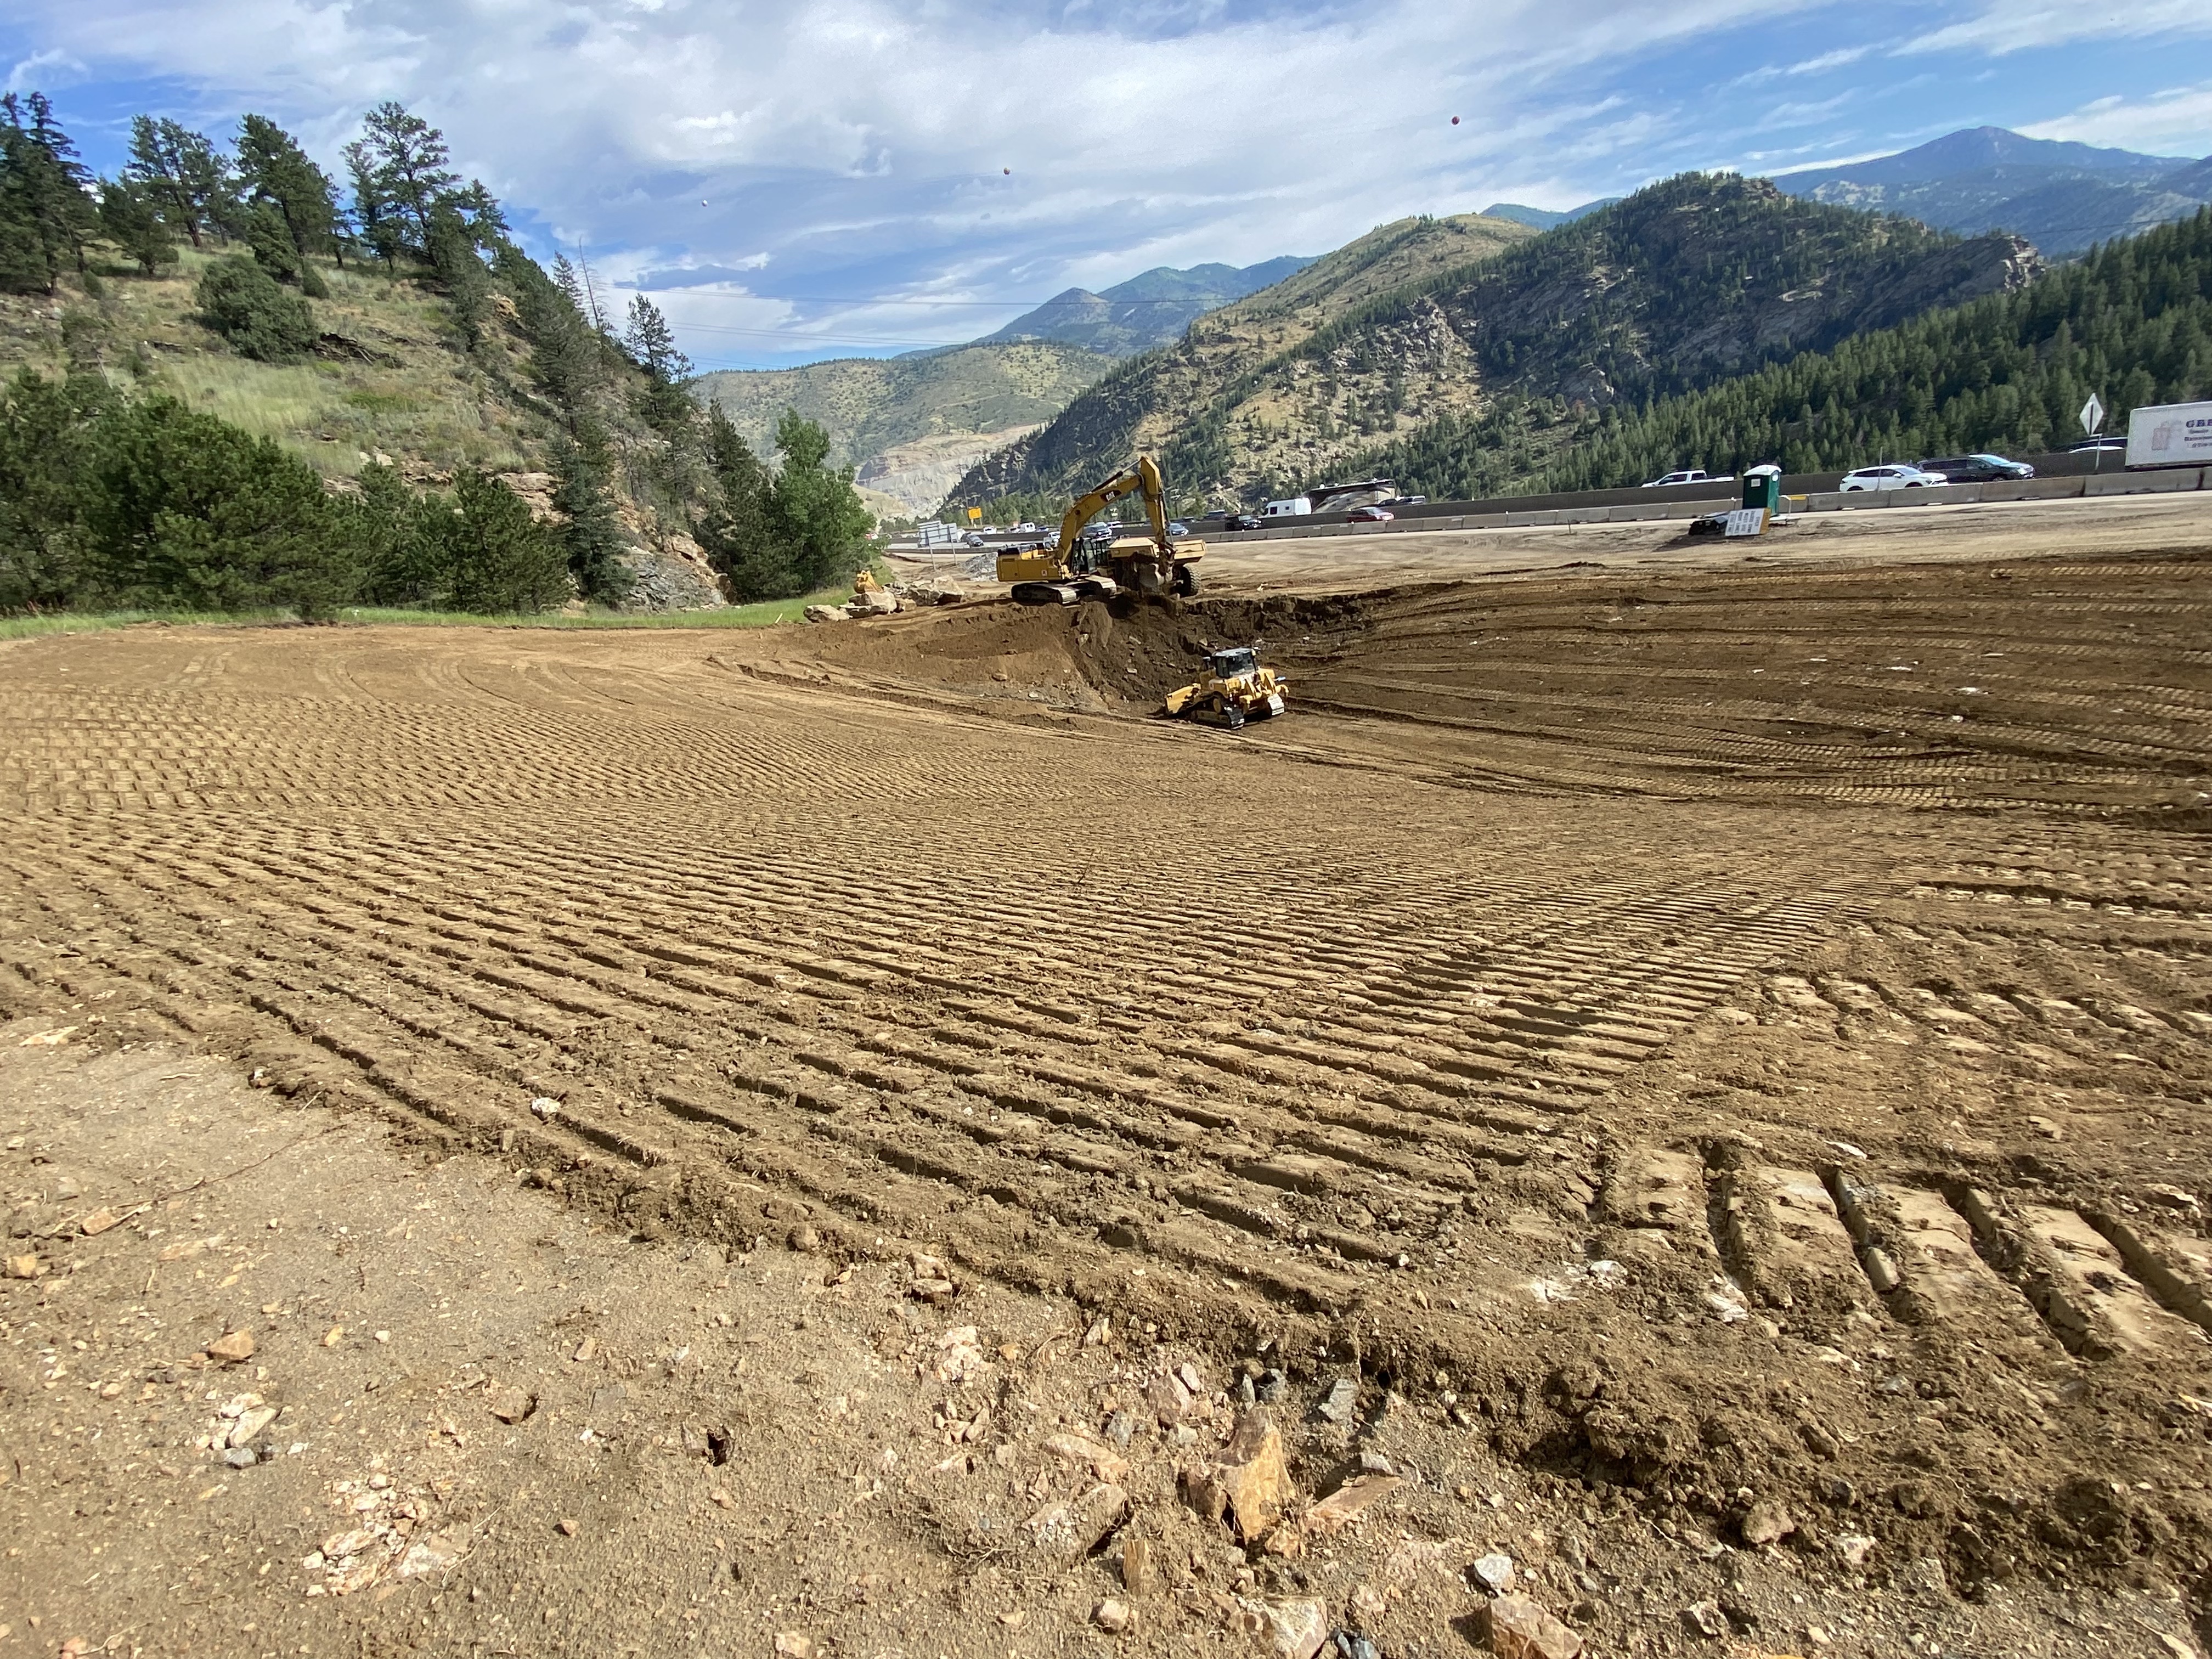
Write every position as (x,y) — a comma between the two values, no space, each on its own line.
(974,514)
(2093,415)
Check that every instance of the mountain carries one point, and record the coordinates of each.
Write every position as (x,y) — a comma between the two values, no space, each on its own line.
(1148,402)
(1690,281)
(2064,197)
(911,424)
(2004,373)
(1150,309)
(1545,218)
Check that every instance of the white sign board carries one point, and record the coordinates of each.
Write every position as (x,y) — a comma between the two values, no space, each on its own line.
(936,534)
(1747,521)
(2171,435)
(2093,415)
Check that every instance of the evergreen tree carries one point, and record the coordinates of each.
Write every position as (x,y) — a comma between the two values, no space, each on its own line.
(375,216)
(46,213)
(46,431)
(593,535)
(278,174)
(814,511)
(565,354)
(408,159)
(664,405)
(188,178)
(180,509)
(453,253)
(398,561)
(487,554)
(131,218)
(487,219)
(735,527)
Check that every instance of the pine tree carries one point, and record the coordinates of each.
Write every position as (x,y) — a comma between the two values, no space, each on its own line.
(187,176)
(131,218)
(593,535)
(375,216)
(410,164)
(735,528)
(46,213)
(275,172)
(665,405)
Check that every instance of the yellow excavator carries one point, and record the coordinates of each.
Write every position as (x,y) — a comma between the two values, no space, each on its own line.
(1079,568)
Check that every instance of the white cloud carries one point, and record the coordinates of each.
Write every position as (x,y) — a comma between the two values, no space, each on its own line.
(873,136)
(2010,26)
(46,71)
(2176,122)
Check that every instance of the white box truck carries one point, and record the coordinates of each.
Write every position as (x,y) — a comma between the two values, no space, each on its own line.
(1297,508)
(2171,435)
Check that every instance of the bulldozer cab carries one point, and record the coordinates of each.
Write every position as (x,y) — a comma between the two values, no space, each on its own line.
(1228,664)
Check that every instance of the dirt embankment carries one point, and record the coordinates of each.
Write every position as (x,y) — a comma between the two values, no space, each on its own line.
(1759,1104)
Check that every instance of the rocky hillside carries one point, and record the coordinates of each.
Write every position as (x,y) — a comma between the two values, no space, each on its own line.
(911,424)
(1152,402)
(1687,284)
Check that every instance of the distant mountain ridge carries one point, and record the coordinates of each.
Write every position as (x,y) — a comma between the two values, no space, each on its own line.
(2065,198)
(1151,308)
(1497,331)
(1545,218)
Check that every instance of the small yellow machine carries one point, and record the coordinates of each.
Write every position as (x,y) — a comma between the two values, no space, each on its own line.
(1079,568)
(1236,690)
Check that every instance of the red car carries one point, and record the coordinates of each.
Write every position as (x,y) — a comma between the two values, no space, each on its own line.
(1368,515)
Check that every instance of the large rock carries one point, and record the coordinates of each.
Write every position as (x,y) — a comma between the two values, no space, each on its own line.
(1247,1480)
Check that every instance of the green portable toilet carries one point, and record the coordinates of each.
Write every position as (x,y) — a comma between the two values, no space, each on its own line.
(1762,487)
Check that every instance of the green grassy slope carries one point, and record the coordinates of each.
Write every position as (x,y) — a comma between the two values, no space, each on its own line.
(395,381)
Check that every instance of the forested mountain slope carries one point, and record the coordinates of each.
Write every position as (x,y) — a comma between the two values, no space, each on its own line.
(2131,324)
(1692,280)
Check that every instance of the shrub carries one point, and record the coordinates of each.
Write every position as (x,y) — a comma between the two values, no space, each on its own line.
(182,509)
(241,303)
(488,555)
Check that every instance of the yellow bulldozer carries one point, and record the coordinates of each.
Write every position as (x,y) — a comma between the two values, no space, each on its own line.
(1082,567)
(1236,690)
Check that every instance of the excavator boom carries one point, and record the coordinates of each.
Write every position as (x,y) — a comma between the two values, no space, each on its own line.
(1073,571)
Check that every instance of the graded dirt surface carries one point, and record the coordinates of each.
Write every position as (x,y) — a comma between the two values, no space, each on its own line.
(1718,1054)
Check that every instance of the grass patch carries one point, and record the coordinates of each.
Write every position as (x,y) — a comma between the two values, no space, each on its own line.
(769,613)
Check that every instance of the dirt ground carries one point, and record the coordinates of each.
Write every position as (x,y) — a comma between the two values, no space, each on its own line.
(1713,1055)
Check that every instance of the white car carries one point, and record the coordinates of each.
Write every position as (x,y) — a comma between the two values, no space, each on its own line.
(1890,478)
(1688,475)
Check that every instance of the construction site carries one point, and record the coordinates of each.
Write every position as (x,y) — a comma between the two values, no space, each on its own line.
(1659,1109)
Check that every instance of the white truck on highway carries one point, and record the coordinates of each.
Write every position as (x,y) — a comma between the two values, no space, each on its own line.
(1297,508)
(2171,435)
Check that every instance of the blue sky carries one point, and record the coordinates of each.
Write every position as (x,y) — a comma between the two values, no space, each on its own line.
(794,181)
